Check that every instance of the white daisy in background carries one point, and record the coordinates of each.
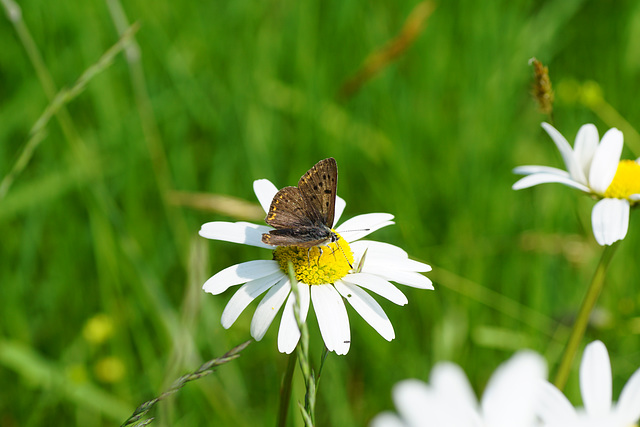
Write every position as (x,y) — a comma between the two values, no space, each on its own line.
(326,277)
(595,387)
(594,168)
(449,401)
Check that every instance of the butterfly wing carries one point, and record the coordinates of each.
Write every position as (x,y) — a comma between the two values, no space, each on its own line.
(305,237)
(289,210)
(318,187)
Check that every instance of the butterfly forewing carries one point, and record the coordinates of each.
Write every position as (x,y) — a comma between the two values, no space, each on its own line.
(318,188)
(288,210)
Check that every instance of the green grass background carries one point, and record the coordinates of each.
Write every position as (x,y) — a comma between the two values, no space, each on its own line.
(228,92)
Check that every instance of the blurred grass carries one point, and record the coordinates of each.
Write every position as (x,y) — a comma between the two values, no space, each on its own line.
(225,93)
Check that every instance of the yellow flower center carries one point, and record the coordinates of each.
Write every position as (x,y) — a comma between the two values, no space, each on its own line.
(316,265)
(625,182)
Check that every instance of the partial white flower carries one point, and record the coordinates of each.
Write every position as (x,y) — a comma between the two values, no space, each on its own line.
(593,167)
(326,277)
(595,386)
(449,401)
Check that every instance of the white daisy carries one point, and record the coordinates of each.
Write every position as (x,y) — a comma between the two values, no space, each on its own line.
(596,169)
(326,275)
(595,387)
(449,401)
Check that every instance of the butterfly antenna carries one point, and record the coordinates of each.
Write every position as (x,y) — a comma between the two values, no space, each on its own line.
(345,255)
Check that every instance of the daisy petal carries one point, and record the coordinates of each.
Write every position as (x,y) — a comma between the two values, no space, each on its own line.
(407,278)
(545,178)
(529,170)
(386,256)
(340,205)
(236,232)
(240,273)
(585,147)
(628,407)
(610,220)
(368,308)
(333,320)
(509,397)
(595,379)
(265,191)
(450,382)
(362,225)
(378,250)
(289,333)
(269,307)
(553,406)
(410,398)
(244,296)
(605,161)
(378,285)
(570,161)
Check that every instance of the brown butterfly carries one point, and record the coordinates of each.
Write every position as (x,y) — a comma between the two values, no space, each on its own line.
(303,215)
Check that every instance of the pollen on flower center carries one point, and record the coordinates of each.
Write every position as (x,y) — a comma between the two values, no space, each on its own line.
(625,182)
(316,265)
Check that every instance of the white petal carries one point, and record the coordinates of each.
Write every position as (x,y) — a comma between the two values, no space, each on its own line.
(368,308)
(412,398)
(240,273)
(389,262)
(340,205)
(243,297)
(265,191)
(378,285)
(450,381)
(552,406)
(605,161)
(528,170)
(610,220)
(378,250)
(362,225)
(452,400)
(628,407)
(509,398)
(236,232)
(387,419)
(595,379)
(545,178)
(332,318)
(408,278)
(269,307)
(289,333)
(570,160)
(585,147)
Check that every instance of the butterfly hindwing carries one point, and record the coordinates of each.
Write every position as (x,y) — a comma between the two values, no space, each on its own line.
(318,187)
(305,237)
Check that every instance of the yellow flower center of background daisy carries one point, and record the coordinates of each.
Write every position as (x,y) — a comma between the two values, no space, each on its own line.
(316,265)
(625,182)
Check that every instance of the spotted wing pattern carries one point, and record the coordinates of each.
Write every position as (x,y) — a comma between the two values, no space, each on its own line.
(318,186)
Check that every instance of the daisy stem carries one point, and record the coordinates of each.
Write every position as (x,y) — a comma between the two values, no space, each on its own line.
(303,357)
(580,325)
(285,391)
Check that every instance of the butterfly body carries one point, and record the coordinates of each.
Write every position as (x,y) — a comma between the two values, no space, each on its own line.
(303,215)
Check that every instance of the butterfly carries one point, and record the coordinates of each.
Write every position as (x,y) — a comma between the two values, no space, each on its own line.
(303,215)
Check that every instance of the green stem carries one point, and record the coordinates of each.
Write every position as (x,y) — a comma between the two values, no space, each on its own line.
(582,319)
(285,391)
(303,356)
